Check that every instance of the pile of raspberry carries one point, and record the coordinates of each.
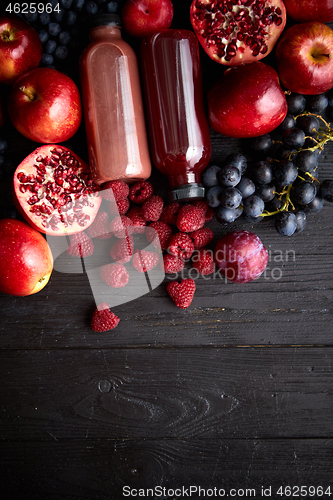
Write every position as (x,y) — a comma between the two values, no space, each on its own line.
(178,229)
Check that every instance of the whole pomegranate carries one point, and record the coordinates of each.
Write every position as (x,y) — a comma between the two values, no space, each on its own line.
(26,260)
(54,191)
(241,256)
(233,32)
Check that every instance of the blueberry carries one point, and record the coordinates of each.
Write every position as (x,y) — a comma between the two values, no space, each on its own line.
(64,37)
(58,16)
(90,8)
(77,5)
(47,59)
(61,52)
(44,18)
(31,17)
(50,46)
(54,29)
(70,17)
(43,36)
(112,7)
(66,4)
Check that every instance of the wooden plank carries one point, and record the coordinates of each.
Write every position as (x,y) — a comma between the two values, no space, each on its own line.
(107,468)
(291,304)
(167,393)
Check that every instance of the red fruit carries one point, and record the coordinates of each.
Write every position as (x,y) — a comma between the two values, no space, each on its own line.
(122,250)
(152,208)
(140,192)
(114,275)
(159,234)
(104,319)
(202,237)
(54,191)
(182,293)
(144,260)
(190,218)
(138,221)
(310,10)
(115,190)
(304,57)
(209,211)
(123,206)
(44,105)
(26,260)
(20,48)
(241,256)
(144,17)
(100,228)
(181,245)
(247,101)
(121,226)
(80,245)
(203,261)
(172,263)
(170,213)
(237,32)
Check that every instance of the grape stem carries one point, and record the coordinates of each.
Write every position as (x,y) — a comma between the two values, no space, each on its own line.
(284,207)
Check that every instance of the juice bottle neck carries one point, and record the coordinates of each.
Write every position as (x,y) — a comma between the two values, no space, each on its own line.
(105,32)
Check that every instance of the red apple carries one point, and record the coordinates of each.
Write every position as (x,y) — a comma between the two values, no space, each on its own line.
(241,256)
(304,57)
(246,101)
(302,11)
(142,18)
(20,48)
(26,260)
(44,106)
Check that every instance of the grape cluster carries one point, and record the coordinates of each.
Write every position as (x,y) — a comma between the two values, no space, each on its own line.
(279,176)
(60,31)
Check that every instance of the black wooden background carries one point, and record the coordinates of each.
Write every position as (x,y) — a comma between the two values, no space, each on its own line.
(234,392)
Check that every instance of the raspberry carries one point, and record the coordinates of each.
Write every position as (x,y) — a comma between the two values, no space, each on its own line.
(115,275)
(104,319)
(144,260)
(159,233)
(209,211)
(170,212)
(181,245)
(138,221)
(190,218)
(181,293)
(122,250)
(115,190)
(121,226)
(202,237)
(80,245)
(203,261)
(123,206)
(152,208)
(100,227)
(140,192)
(172,263)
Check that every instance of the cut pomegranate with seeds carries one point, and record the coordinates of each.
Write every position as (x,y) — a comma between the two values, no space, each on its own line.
(54,191)
(239,31)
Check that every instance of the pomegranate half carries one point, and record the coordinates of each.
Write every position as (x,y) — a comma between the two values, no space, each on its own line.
(236,32)
(54,191)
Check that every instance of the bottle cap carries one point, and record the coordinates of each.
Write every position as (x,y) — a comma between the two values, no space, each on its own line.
(103,20)
(187,192)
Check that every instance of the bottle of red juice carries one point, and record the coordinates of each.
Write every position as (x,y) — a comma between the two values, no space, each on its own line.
(112,105)
(178,129)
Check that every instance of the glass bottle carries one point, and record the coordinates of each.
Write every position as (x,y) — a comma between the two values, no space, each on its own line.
(177,124)
(112,105)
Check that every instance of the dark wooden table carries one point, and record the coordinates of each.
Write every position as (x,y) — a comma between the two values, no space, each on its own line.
(233,395)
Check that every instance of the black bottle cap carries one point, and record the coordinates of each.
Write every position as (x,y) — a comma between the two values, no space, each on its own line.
(187,192)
